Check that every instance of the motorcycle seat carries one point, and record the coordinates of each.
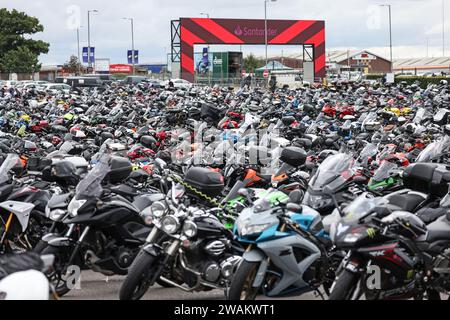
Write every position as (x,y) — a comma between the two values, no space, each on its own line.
(10,264)
(429,215)
(124,191)
(5,191)
(439,230)
(144,201)
(406,202)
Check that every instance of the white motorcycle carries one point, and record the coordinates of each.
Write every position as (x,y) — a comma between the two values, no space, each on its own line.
(22,277)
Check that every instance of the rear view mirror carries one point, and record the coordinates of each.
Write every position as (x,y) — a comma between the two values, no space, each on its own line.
(293,207)
(360,180)
(296,197)
(160,164)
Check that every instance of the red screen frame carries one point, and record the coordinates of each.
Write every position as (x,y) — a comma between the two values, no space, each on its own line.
(195,31)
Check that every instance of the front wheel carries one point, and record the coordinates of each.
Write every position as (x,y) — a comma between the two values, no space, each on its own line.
(59,276)
(139,275)
(345,286)
(242,285)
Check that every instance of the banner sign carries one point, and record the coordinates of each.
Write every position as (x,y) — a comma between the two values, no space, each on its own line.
(120,68)
(85,54)
(130,56)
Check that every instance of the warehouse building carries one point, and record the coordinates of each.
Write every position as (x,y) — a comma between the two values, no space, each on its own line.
(422,66)
(357,60)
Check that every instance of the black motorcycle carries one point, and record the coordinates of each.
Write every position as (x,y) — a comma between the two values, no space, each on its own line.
(105,230)
(188,248)
(411,257)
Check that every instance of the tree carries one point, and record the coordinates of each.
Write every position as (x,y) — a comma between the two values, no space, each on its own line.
(20,60)
(251,63)
(73,65)
(19,53)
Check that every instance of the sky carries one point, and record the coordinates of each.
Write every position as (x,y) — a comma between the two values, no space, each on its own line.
(350,24)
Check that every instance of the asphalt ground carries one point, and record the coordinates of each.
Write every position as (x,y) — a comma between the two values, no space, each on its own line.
(95,286)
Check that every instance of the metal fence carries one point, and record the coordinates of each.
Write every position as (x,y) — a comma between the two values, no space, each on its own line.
(17,76)
(256,82)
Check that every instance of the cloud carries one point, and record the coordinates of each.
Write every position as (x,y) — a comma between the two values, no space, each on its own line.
(349,23)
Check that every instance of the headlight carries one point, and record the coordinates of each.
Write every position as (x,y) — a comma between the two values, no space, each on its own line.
(74,205)
(352,237)
(57,214)
(317,202)
(158,209)
(170,224)
(245,229)
(190,229)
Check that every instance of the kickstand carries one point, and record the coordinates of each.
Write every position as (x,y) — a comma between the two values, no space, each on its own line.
(227,291)
(317,293)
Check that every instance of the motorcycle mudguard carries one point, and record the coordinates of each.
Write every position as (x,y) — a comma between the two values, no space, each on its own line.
(353,266)
(57,241)
(152,250)
(260,274)
(254,256)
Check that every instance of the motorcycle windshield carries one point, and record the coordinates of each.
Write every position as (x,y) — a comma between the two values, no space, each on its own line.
(370,117)
(361,206)
(445,202)
(384,171)
(101,151)
(66,147)
(420,115)
(332,172)
(9,163)
(434,150)
(369,151)
(91,185)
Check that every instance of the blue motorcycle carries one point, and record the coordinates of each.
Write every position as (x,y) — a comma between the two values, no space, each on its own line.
(288,251)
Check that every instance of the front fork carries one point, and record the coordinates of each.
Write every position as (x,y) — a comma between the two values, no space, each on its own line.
(355,266)
(79,243)
(169,252)
(7,226)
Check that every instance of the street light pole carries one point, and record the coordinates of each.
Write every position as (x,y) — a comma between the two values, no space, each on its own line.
(443,28)
(89,37)
(132,44)
(78,41)
(265,27)
(390,32)
(209,73)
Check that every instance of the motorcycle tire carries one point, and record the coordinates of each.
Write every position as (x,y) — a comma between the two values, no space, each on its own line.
(241,285)
(40,247)
(345,284)
(137,283)
(61,288)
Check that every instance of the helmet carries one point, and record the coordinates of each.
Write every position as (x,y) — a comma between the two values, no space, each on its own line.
(329,111)
(325,154)
(447,129)
(148,141)
(106,135)
(410,128)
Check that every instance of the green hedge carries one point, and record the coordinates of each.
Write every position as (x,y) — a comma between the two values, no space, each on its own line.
(423,81)
(120,76)
(374,76)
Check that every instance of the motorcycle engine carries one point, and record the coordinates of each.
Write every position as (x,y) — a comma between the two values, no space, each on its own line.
(217,247)
(213,271)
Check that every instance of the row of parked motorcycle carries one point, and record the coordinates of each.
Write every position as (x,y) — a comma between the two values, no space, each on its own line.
(339,190)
